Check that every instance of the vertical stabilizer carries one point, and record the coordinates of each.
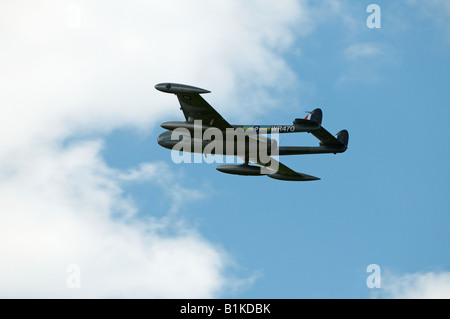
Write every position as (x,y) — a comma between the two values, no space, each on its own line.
(315,116)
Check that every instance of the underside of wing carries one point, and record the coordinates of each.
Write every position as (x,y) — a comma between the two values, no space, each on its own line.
(275,169)
(194,107)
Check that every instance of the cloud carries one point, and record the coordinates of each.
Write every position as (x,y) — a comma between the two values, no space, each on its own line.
(68,207)
(160,174)
(366,62)
(430,285)
(436,10)
(362,50)
(79,69)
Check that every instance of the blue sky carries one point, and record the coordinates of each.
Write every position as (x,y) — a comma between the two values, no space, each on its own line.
(384,201)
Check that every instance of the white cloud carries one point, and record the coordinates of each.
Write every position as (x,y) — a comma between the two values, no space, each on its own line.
(162,176)
(366,62)
(430,285)
(436,10)
(68,207)
(71,69)
(362,50)
(69,77)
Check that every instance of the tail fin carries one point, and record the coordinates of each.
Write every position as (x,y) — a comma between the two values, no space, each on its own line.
(342,137)
(315,116)
(313,120)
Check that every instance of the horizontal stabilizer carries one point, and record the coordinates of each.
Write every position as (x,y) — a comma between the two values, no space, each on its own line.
(326,139)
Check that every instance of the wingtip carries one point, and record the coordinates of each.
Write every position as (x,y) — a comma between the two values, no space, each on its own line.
(176,88)
(299,177)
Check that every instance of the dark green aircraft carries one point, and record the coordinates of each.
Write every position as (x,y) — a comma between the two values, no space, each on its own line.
(206,131)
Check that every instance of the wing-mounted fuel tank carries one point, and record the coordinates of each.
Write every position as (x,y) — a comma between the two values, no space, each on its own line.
(251,170)
(190,126)
(176,88)
(242,169)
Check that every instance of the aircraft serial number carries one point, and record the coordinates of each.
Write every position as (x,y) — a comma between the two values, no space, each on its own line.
(283,128)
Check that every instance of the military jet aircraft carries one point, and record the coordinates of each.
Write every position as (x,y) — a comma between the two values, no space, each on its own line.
(201,118)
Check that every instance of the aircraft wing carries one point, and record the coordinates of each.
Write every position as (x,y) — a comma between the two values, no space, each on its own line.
(193,105)
(283,172)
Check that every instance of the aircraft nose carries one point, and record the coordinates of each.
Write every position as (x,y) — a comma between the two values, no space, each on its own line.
(164,139)
(160,140)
